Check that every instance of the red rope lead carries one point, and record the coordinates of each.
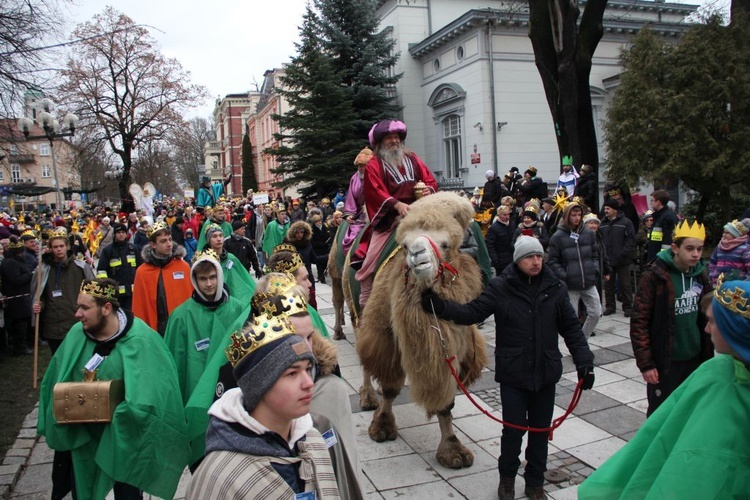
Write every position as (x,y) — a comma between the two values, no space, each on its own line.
(549,430)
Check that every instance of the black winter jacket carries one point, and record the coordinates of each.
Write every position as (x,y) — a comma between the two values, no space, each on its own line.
(500,244)
(242,248)
(619,240)
(587,188)
(529,315)
(119,261)
(16,282)
(574,260)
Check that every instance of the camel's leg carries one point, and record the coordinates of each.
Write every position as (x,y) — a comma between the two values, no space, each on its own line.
(383,426)
(368,398)
(451,453)
(338,309)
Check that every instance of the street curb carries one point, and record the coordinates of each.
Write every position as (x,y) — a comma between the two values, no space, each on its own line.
(17,457)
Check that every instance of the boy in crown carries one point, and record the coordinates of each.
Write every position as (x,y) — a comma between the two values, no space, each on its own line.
(696,445)
(666,328)
(145,446)
(260,441)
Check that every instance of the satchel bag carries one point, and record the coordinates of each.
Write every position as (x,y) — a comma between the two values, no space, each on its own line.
(90,401)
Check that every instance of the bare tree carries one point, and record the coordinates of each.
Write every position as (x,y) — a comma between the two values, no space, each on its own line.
(188,144)
(29,29)
(155,165)
(118,78)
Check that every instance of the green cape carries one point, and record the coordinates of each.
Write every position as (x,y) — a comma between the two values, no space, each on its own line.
(696,445)
(146,443)
(241,285)
(273,236)
(191,323)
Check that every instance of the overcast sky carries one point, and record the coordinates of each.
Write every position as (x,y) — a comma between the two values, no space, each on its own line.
(225,44)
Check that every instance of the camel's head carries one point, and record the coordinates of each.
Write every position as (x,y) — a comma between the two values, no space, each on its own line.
(431,233)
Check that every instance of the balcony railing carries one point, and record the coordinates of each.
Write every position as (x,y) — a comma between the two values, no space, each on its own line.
(21,158)
(451,183)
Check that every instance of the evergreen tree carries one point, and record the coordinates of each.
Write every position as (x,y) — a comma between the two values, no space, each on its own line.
(248,168)
(682,112)
(337,86)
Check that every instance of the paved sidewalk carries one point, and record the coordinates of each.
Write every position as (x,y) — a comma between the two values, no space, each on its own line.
(605,419)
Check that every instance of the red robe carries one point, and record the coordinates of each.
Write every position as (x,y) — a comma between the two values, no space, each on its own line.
(385,185)
(177,285)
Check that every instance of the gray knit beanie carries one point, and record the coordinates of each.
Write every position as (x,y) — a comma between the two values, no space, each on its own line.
(525,246)
(257,371)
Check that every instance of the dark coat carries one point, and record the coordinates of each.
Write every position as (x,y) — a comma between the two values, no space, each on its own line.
(652,321)
(535,188)
(242,248)
(119,261)
(529,315)
(320,238)
(494,190)
(587,188)
(16,280)
(500,244)
(665,220)
(574,260)
(619,240)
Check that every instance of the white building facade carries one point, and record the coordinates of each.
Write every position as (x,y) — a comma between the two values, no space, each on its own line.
(471,94)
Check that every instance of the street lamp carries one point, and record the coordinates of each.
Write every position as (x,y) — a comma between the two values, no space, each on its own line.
(52,131)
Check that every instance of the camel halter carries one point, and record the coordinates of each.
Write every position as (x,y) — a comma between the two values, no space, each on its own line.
(443,266)
(449,359)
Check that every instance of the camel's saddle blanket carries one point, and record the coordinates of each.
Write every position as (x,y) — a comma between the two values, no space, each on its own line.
(87,402)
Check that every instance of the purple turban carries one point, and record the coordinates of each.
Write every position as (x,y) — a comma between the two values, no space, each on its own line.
(385,127)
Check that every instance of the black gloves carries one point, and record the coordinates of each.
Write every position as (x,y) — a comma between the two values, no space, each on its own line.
(430,299)
(258,273)
(587,374)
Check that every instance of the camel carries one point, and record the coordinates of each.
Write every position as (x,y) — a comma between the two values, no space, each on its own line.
(396,338)
(335,273)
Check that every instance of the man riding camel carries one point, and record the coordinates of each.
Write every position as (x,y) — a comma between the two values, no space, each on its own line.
(391,176)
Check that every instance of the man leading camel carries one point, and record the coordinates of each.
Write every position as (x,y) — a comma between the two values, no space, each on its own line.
(390,178)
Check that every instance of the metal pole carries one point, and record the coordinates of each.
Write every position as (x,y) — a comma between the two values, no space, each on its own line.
(54,170)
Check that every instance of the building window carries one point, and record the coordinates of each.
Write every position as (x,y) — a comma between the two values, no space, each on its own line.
(460,53)
(2,175)
(452,145)
(46,171)
(13,149)
(44,150)
(15,172)
(436,65)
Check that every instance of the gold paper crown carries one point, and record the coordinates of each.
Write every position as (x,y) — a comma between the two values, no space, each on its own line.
(255,335)
(59,232)
(278,299)
(208,254)
(687,230)
(28,233)
(159,226)
(735,300)
(288,267)
(531,208)
(614,192)
(532,169)
(93,288)
(284,247)
(15,244)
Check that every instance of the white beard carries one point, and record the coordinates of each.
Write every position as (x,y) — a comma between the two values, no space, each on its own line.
(393,157)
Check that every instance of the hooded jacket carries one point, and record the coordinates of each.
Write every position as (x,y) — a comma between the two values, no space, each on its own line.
(574,254)
(529,313)
(652,324)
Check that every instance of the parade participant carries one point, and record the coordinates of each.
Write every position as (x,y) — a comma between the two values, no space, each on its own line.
(140,239)
(190,221)
(531,308)
(145,446)
(532,186)
(568,179)
(696,445)
(238,280)
(620,192)
(177,225)
(31,248)
(476,198)
(390,179)
(493,190)
(62,275)
(321,243)
(209,193)
(201,326)
(574,258)
(15,279)
(218,217)
(619,239)
(119,262)
(339,198)
(587,187)
(326,208)
(242,248)
(162,282)
(296,213)
(354,206)
(500,240)
(105,235)
(261,440)
(275,232)
(531,226)
(666,328)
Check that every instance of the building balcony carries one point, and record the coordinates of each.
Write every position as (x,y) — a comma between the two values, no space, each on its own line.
(451,183)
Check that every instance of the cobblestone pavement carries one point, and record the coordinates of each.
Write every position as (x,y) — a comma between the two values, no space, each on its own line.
(606,418)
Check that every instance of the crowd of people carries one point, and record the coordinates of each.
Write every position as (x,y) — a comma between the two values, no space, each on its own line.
(206,312)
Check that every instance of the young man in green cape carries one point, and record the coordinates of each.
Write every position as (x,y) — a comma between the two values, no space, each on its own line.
(145,446)
(240,283)
(201,326)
